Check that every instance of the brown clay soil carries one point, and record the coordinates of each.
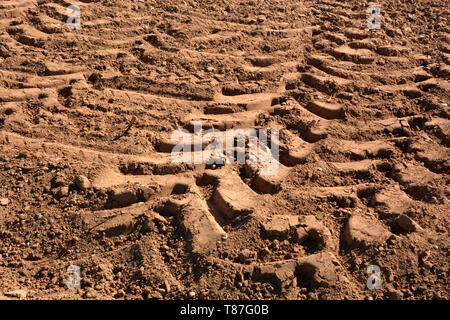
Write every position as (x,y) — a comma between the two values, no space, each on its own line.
(364,130)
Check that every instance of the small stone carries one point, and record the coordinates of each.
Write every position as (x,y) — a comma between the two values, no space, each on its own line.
(247,255)
(82,182)
(406,293)
(123,197)
(437,296)
(395,295)
(427,264)
(156,296)
(356,261)
(192,294)
(4,201)
(147,293)
(264,252)
(422,288)
(407,224)
(313,296)
(62,192)
(58,180)
(275,244)
(98,287)
(161,290)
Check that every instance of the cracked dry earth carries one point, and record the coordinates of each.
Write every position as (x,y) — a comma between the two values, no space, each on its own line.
(364,137)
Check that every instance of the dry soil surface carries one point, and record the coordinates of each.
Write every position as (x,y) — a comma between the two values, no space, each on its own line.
(87,179)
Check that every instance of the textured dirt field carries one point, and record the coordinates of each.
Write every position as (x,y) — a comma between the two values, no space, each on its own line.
(364,130)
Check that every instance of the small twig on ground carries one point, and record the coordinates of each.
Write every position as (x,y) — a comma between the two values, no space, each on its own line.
(125,132)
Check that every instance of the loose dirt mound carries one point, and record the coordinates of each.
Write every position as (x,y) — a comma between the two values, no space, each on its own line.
(87,177)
